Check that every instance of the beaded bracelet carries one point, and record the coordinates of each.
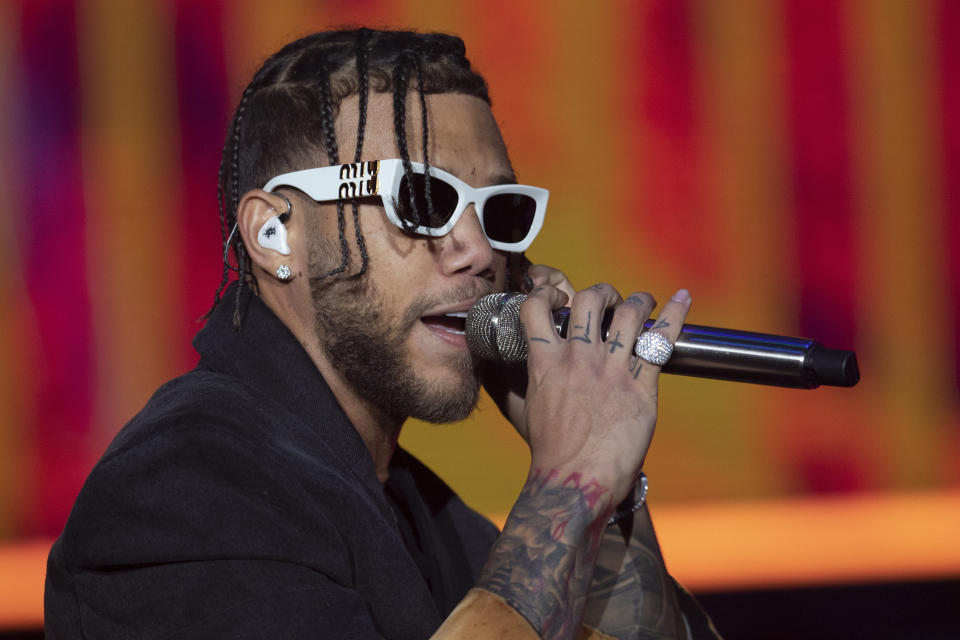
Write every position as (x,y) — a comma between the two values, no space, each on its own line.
(620,514)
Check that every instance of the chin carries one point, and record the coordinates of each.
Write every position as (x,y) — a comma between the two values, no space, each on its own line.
(446,394)
(395,366)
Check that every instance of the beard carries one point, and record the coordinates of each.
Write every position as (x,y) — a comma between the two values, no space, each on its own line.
(366,344)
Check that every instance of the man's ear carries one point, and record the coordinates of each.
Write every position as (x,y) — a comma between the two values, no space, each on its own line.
(260,220)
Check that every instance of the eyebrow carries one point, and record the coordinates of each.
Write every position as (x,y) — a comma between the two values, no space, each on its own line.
(503,178)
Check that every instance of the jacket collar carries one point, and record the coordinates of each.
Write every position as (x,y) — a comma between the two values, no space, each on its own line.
(266,357)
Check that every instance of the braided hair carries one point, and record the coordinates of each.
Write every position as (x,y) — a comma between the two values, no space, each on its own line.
(285,120)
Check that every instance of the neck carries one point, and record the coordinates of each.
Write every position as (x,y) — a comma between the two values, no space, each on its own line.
(378,430)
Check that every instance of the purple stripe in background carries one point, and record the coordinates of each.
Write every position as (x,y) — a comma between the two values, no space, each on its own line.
(826,255)
(673,190)
(202,102)
(948,18)
(54,259)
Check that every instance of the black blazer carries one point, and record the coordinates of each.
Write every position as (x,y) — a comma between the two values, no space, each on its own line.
(241,503)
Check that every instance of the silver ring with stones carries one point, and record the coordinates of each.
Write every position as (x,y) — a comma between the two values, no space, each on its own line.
(654,348)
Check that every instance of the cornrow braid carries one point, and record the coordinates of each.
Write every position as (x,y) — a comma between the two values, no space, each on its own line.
(363,86)
(235,200)
(401,80)
(235,135)
(241,268)
(426,135)
(224,240)
(286,120)
(363,89)
(234,157)
(333,154)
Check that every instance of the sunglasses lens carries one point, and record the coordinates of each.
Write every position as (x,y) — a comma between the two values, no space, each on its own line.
(507,217)
(443,195)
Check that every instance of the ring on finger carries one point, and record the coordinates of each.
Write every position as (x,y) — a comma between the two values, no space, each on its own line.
(654,348)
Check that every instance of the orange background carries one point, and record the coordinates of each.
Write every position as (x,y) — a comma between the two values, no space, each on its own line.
(794,163)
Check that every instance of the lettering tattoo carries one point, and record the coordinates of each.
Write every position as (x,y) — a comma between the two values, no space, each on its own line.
(635,299)
(543,561)
(661,324)
(635,368)
(615,343)
(586,330)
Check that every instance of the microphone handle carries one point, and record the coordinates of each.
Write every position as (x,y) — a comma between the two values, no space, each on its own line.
(743,356)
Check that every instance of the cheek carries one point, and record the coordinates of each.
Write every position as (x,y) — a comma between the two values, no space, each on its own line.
(376,229)
(323,253)
(329,234)
(322,242)
(393,253)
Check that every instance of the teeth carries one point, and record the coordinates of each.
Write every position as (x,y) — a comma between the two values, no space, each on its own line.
(459,315)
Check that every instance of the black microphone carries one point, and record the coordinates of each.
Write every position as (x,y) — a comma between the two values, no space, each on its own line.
(494,332)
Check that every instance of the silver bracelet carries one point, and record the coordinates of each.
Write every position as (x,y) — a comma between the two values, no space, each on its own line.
(623,513)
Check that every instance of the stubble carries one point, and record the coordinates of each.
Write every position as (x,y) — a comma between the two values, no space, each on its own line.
(367,344)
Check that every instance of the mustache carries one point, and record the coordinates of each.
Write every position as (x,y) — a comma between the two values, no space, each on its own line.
(473,289)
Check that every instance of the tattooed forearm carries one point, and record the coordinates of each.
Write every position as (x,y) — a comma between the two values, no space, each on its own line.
(543,561)
(632,596)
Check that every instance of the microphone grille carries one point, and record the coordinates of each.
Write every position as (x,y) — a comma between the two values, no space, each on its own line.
(493,328)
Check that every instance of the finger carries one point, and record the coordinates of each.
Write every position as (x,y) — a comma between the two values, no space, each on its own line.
(627,324)
(543,274)
(517,266)
(669,322)
(536,316)
(586,313)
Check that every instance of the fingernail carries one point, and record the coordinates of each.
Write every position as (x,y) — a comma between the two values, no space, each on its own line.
(681,296)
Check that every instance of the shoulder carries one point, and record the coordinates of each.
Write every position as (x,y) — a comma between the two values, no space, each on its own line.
(196,398)
(209,470)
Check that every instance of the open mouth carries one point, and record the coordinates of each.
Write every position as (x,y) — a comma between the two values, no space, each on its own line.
(450,322)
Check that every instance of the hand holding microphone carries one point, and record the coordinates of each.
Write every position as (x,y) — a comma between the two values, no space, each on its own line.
(498,330)
(590,406)
(495,332)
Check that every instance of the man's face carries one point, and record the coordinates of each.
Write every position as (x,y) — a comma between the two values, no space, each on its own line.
(387,333)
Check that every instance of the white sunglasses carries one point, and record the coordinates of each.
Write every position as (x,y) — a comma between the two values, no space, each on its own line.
(511,215)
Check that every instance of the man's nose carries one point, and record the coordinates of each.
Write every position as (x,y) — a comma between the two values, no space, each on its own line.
(466,248)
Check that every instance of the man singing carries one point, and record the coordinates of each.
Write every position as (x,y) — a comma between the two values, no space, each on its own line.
(368,199)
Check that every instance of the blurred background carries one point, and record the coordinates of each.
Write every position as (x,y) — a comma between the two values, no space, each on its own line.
(794,163)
